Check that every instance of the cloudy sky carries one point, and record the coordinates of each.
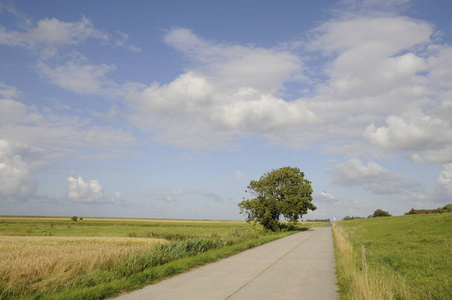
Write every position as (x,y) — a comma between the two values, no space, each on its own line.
(168,109)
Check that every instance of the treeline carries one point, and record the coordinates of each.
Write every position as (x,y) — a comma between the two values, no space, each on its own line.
(319,220)
(439,210)
(382,213)
(377,213)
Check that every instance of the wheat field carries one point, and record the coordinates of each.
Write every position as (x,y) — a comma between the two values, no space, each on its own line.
(43,261)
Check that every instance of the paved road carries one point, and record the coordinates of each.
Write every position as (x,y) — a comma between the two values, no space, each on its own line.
(300,266)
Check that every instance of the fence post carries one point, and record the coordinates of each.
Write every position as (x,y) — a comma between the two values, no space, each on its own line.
(363,258)
(236,233)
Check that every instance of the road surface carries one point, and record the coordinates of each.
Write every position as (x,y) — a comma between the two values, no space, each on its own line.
(300,266)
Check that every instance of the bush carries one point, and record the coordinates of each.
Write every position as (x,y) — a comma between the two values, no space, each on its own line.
(74,218)
(347,218)
(380,213)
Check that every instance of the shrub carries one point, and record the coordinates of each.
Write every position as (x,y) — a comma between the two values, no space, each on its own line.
(380,213)
(74,218)
(347,218)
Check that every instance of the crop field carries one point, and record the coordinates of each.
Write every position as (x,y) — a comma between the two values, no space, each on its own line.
(407,257)
(96,258)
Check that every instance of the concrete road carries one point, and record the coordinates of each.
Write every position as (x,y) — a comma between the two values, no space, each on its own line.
(300,266)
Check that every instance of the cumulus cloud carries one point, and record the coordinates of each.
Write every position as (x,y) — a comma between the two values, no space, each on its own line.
(57,134)
(52,31)
(16,170)
(328,198)
(236,65)
(9,92)
(83,79)
(371,176)
(372,7)
(86,79)
(413,131)
(445,179)
(238,176)
(49,34)
(89,192)
(229,93)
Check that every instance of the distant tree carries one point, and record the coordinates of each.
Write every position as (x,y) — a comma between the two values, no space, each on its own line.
(380,213)
(74,218)
(282,192)
(445,208)
(411,212)
(348,218)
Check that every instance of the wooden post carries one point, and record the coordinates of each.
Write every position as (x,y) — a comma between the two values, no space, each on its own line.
(363,258)
(236,233)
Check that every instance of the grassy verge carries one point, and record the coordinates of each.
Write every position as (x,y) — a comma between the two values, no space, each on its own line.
(95,259)
(407,257)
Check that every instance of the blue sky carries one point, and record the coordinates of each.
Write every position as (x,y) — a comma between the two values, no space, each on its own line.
(168,109)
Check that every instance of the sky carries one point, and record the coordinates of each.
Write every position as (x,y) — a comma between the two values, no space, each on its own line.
(168,109)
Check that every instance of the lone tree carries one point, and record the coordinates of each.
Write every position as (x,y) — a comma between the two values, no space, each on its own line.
(380,213)
(284,192)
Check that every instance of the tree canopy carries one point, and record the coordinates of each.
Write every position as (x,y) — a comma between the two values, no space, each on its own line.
(380,213)
(282,192)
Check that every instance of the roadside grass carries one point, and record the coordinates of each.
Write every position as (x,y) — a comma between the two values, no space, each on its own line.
(97,258)
(408,257)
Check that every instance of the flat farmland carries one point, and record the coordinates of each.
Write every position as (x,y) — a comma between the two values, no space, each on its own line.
(96,258)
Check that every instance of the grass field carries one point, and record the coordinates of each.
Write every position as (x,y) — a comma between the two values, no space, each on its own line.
(408,257)
(96,258)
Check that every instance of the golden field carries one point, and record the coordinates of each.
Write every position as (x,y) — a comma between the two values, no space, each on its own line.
(40,261)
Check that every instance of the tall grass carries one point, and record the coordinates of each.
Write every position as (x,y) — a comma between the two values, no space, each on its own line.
(375,284)
(407,257)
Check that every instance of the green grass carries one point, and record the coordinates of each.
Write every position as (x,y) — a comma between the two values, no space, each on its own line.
(414,249)
(190,243)
(120,227)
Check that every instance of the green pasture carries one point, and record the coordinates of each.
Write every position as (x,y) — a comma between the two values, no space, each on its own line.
(417,248)
(169,229)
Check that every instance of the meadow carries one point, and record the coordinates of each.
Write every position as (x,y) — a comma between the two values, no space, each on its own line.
(407,257)
(97,258)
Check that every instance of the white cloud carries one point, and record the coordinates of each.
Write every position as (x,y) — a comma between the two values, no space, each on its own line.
(86,79)
(236,66)
(229,93)
(238,176)
(412,131)
(81,79)
(16,171)
(440,64)
(416,158)
(372,37)
(52,32)
(328,198)
(371,176)
(232,91)
(58,134)
(372,7)
(445,179)
(9,92)
(90,192)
